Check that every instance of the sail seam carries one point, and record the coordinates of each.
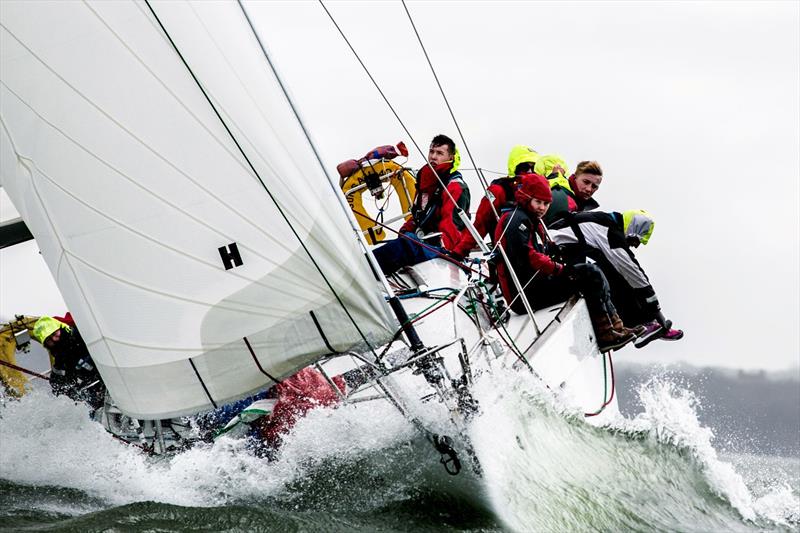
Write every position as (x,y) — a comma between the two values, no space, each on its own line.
(125,226)
(269,193)
(175,97)
(129,228)
(253,100)
(64,255)
(146,146)
(119,224)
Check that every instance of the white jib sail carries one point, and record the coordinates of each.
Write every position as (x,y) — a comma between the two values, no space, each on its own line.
(135,192)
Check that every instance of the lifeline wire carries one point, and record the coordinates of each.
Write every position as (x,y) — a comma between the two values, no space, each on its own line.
(461,211)
(252,167)
(480,174)
(385,99)
(446,101)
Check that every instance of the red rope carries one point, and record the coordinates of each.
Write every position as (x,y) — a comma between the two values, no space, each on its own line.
(613,387)
(444,302)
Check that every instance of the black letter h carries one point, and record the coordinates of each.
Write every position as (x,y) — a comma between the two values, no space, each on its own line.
(230,256)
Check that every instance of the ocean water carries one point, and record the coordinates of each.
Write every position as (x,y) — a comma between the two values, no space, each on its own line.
(364,468)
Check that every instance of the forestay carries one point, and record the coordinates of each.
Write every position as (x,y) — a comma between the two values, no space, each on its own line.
(135,191)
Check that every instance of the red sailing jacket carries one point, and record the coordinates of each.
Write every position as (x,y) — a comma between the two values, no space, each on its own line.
(297,395)
(502,190)
(433,210)
(526,250)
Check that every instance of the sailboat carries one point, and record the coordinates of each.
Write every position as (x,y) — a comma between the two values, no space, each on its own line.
(206,252)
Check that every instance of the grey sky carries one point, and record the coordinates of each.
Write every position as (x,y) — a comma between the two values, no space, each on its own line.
(693,109)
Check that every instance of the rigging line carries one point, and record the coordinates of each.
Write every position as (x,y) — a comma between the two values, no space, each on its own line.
(480,174)
(255,172)
(385,99)
(446,101)
(322,168)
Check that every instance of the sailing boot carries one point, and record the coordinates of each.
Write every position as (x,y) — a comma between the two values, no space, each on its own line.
(616,322)
(673,335)
(654,331)
(609,338)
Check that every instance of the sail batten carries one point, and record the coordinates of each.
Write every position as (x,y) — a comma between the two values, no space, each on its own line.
(163,242)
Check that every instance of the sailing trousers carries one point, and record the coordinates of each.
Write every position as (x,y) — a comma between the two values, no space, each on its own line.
(403,251)
(588,280)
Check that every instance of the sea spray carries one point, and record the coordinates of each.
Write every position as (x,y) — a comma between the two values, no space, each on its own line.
(51,441)
(548,470)
(365,465)
(670,414)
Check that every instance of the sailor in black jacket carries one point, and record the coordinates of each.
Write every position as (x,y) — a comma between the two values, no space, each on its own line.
(607,238)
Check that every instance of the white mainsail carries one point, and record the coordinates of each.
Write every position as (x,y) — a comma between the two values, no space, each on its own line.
(135,190)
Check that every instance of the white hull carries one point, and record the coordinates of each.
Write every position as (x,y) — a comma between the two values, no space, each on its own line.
(565,357)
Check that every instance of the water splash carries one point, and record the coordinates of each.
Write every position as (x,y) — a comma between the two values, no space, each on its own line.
(49,441)
(545,468)
(548,470)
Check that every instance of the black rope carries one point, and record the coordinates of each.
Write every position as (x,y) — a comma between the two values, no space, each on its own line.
(252,167)
(375,83)
(402,124)
(446,101)
(322,334)
(316,155)
(385,99)
(203,383)
(258,363)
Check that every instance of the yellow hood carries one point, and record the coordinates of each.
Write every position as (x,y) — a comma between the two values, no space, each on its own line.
(521,154)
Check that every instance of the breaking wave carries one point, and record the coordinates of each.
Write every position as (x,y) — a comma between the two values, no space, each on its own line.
(552,472)
(364,466)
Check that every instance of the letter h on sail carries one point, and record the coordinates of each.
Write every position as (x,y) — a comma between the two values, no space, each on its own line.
(230,256)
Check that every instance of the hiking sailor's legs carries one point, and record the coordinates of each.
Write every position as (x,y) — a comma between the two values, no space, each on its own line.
(405,250)
(611,332)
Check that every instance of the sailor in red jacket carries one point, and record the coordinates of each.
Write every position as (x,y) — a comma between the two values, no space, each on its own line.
(522,235)
(441,195)
(296,396)
(500,193)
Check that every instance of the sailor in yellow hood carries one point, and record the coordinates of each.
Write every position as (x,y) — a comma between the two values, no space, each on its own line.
(521,160)
(519,155)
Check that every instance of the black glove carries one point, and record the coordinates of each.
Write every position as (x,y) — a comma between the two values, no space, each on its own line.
(569,272)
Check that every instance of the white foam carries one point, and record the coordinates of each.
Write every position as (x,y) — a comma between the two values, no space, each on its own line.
(49,441)
(671,416)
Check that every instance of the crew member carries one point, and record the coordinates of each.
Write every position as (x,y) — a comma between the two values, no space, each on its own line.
(521,160)
(523,236)
(608,239)
(441,194)
(73,372)
(575,193)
